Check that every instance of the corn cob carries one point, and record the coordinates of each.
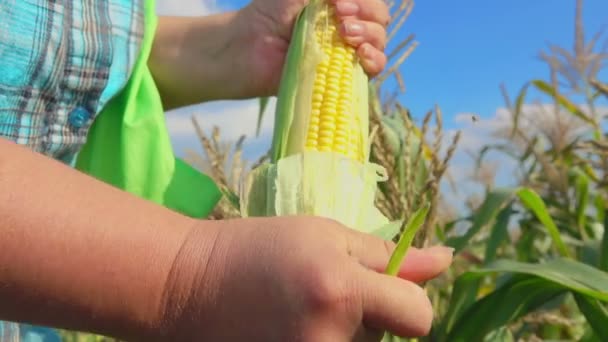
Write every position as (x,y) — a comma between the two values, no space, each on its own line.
(332,127)
(319,161)
(323,99)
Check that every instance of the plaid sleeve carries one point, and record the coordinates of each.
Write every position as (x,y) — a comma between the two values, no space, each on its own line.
(60,62)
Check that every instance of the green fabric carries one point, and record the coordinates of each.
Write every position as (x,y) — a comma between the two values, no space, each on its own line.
(129,145)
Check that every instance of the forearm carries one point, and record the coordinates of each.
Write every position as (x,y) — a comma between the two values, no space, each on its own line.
(79,254)
(198,59)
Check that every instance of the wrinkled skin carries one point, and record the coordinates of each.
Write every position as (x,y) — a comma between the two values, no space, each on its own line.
(314,279)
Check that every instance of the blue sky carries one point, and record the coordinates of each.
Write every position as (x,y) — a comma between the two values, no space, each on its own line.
(466,50)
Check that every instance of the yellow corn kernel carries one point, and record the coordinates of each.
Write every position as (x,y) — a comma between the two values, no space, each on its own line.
(333,125)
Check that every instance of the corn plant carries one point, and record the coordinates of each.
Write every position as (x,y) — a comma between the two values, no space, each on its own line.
(224,163)
(535,255)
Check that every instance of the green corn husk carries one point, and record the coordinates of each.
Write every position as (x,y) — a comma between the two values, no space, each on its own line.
(299,182)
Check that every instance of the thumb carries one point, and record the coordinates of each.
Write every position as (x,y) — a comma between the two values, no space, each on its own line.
(420,264)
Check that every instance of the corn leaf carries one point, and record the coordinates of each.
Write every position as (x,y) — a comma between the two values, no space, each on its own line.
(530,286)
(502,334)
(498,234)
(563,101)
(289,83)
(534,202)
(513,300)
(595,313)
(588,170)
(604,245)
(231,196)
(589,253)
(529,150)
(519,102)
(525,244)
(488,211)
(463,296)
(574,275)
(263,105)
(582,200)
(392,338)
(440,234)
(504,148)
(600,207)
(412,226)
(405,241)
(602,88)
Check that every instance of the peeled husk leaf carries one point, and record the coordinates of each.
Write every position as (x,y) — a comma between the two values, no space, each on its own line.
(321,184)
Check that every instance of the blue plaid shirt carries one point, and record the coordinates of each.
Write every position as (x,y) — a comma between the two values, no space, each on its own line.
(60,63)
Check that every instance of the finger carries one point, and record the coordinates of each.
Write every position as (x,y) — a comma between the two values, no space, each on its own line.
(323,333)
(395,305)
(366,334)
(371,10)
(332,327)
(330,333)
(424,264)
(373,61)
(419,265)
(357,32)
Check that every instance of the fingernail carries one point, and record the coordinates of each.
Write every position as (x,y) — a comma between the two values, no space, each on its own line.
(352,29)
(346,8)
(367,51)
(370,65)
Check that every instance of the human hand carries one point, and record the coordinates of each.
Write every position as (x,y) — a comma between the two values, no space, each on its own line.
(296,279)
(240,54)
(270,23)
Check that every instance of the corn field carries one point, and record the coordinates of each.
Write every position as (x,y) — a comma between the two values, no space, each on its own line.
(531,261)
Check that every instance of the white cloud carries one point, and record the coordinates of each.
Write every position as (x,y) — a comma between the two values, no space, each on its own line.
(186,7)
(234,118)
(535,120)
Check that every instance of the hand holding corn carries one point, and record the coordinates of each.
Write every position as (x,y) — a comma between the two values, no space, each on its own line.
(255,279)
(296,279)
(124,267)
(362,23)
(240,54)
